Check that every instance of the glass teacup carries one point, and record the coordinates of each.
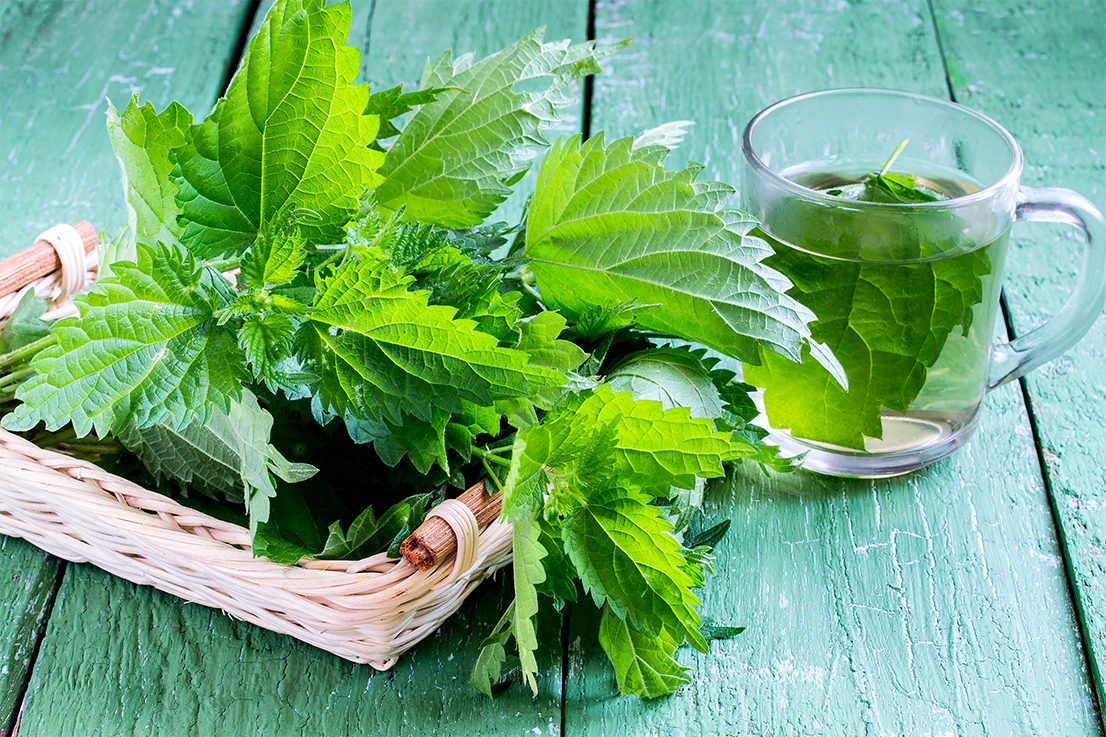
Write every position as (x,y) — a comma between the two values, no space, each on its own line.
(902,272)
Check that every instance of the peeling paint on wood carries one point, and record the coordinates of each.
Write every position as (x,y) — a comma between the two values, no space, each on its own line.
(58,61)
(1039,69)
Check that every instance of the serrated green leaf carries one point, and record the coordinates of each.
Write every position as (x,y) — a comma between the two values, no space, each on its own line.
(367,534)
(146,348)
(268,542)
(25,325)
(391,103)
(382,352)
(675,377)
(493,651)
(603,318)
(643,662)
(456,157)
(228,455)
(142,140)
(528,574)
(887,323)
(290,131)
(627,557)
(608,220)
(274,259)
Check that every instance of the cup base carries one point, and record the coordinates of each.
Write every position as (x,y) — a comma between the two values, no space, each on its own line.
(862,465)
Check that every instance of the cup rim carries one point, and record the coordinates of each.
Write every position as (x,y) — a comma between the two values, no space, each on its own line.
(1013,173)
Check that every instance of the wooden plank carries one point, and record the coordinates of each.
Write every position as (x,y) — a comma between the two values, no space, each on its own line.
(163,666)
(929,604)
(58,60)
(29,577)
(1039,69)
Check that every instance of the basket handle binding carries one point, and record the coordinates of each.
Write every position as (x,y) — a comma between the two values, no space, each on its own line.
(39,260)
(434,540)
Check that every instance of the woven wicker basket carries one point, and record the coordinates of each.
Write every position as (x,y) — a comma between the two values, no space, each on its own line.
(367,611)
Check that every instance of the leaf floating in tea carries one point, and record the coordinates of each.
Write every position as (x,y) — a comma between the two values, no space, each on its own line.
(896,189)
(885,313)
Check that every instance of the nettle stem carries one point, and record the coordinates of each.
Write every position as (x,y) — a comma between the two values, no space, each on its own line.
(65,435)
(30,350)
(15,377)
(894,155)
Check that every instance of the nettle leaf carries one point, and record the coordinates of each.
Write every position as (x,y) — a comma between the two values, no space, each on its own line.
(147,348)
(25,325)
(655,447)
(274,259)
(382,353)
(290,131)
(391,103)
(367,534)
(643,662)
(456,157)
(529,573)
(627,557)
(675,377)
(886,323)
(227,456)
(493,651)
(609,220)
(142,140)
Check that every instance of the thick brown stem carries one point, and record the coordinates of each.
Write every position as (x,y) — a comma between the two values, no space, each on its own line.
(434,540)
(37,261)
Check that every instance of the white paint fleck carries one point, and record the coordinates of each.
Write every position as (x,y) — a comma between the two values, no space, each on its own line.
(783,600)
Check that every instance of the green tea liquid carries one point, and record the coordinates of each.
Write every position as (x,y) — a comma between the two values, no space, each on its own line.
(905,298)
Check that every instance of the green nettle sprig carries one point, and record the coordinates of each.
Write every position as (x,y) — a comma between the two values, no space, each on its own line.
(292,304)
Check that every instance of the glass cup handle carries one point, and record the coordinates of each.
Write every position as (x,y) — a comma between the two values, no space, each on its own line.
(1010,360)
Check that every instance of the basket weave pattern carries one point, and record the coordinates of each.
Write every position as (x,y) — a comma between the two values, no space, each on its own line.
(366,611)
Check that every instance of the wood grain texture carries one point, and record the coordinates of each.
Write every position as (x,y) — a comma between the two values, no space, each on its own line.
(58,60)
(1039,69)
(926,605)
(165,667)
(29,579)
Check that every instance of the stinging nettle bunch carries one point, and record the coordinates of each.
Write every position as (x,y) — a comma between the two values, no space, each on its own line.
(374,325)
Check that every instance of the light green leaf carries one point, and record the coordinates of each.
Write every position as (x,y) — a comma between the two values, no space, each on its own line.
(290,132)
(142,140)
(456,157)
(146,348)
(274,258)
(887,323)
(610,221)
(528,574)
(391,103)
(381,352)
(268,542)
(643,662)
(25,325)
(668,136)
(493,651)
(675,377)
(627,557)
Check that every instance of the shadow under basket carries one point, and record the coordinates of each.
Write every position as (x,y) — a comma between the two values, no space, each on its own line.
(366,611)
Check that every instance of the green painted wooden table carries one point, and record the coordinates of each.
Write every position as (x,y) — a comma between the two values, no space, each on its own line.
(968,599)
